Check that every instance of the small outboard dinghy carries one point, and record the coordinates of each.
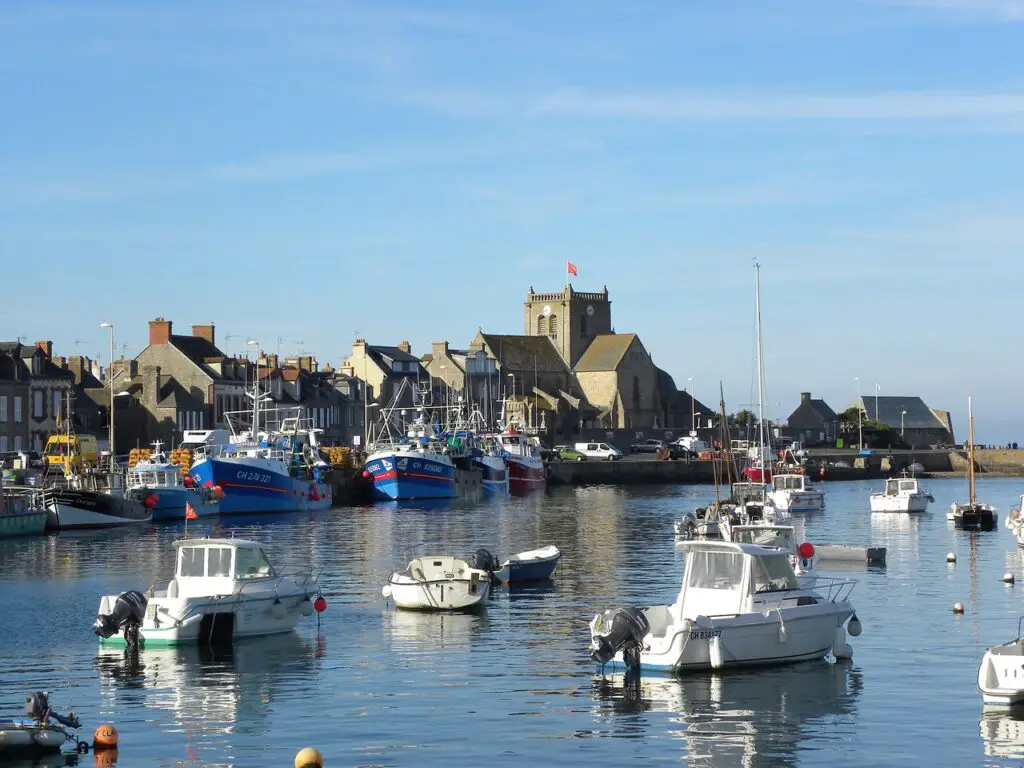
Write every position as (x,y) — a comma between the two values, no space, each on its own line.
(443,583)
(44,731)
(999,678)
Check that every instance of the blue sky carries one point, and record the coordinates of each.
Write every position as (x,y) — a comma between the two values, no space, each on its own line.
(311,169)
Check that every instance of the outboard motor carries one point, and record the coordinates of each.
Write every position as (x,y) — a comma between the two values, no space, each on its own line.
(619,629)
(127,614)
(483,560)
(37,706)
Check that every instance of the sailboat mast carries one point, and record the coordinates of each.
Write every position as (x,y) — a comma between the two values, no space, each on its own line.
(970,451)
(725,435)
(760,364)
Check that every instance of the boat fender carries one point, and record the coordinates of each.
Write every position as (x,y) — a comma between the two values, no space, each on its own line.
(854,626)
(715,651)
(277,609)
(840,648)
(783,634)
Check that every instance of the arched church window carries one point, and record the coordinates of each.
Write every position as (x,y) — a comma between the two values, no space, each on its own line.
(553,326)
(542,326)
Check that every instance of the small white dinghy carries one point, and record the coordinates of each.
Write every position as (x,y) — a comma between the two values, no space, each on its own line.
(439,583)
(1001,675)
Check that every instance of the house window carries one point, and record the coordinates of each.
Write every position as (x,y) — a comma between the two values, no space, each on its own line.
(37,404)
(553,327)
(57,396)
(542,326)
(3,443)
(17,443)
(3,407)
(37,365)
(636,392)
(17,409)
(351,416)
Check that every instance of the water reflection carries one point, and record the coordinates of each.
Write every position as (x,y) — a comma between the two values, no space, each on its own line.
(417,632)
(1002,732)
(735,719)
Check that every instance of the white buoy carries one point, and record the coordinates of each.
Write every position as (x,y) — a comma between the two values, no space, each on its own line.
(386,591)
(1008,578)
(958,607)
(951,557)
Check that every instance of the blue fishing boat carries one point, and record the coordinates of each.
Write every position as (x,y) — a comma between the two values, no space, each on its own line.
(534,565)
(412,470)
(159,484)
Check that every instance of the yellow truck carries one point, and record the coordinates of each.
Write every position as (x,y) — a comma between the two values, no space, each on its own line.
(70,454)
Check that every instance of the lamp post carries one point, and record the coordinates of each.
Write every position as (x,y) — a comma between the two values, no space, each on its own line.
(902,414)
(860,411)
(693,407)
(877,417)
(110,383)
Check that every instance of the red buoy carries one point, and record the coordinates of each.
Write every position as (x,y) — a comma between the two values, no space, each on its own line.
(187,481)
(151,500)
(320,604)
(806,550)
(366,473)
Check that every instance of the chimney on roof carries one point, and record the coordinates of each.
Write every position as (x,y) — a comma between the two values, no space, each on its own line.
(439,349)
(78,365)
(307,363)
(46,346)
(159,331)
(328,368)
(203,332)
(271,362)
(805,397)
(405,347)
(61,362)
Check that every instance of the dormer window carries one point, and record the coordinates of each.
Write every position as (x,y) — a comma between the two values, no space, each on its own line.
(37,365)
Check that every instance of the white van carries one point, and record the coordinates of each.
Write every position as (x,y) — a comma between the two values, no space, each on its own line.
(597,450)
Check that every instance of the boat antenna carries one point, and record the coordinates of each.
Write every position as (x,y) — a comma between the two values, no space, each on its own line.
(760,369)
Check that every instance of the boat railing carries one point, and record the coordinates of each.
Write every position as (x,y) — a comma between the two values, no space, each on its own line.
(834,589)
(303,577)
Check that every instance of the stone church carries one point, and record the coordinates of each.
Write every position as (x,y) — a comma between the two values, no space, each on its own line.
(570,372)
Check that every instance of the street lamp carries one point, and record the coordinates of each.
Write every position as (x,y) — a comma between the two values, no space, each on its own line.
(902,414)
(860,411)
(693,408)
(110,383)
(878,418)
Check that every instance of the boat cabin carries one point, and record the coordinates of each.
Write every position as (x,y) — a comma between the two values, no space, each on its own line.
(776,536)
(518,444)
(790,482)
(898,486)
(212,566)
(728,578)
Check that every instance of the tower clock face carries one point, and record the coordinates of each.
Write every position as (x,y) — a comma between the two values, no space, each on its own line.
(546,310)
(590,309)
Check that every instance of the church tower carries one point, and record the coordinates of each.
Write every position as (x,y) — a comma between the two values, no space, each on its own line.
(571,319)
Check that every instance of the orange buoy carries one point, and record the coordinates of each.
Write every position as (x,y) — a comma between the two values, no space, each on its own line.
(105,737)
(309,758)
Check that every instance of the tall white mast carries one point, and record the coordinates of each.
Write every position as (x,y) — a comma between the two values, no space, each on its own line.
(760,364)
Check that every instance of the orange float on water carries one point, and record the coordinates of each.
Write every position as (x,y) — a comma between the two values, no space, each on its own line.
(105,737)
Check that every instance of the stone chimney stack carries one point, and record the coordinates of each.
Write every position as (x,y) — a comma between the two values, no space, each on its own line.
(46,346)
(439,349)
(159,331)
(805,397)
(405,347)
(204,332)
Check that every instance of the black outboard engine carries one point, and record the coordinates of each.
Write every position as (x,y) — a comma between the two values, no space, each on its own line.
(37,706)
(483,560)
(619,629)
(127,614)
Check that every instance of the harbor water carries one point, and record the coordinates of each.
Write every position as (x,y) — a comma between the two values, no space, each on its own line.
(514,686)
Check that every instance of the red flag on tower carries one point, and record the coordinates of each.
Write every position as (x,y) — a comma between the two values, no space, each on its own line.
(571,268)
(190,512)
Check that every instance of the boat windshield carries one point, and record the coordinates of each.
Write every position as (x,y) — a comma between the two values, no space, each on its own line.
(715,570)
(773,573)
(908,485)
(252,564)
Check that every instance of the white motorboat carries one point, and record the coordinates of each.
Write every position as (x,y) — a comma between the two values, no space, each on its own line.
(901,494)
(740,604)
(222,590)
(781,537)
(792,493)
(974,514)
(1015,522)
(1001,675)
(441,583)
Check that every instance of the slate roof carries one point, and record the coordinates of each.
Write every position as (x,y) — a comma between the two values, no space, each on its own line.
(605,352)
(25,353)
(812,407)
(384,357)
(918,416)
(174,395)
(198,350)
(522,353)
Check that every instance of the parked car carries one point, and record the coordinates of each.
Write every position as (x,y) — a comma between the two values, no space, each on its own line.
(677,451)
(647,446)
(598,450)
(566,453)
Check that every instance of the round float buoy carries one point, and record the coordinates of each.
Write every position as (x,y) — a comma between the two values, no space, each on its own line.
(1007,578)
(806,551)
(958,607)
(187,481)
(320,604)
(951,557)
(309,758)
(366,473)
(105,737)
(151,500)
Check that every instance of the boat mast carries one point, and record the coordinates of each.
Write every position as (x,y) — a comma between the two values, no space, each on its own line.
(970,452)
(760,366)
(725,435)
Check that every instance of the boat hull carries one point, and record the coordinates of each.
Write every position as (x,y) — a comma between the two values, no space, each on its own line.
(440,595)
(999,678)
(975,518)
(70,509)
(397,477)
(171,502)
(495,474)
(22,524)
(26,735)
(525,474)
(917,502)
(256,485)
(801,501)
(515,571)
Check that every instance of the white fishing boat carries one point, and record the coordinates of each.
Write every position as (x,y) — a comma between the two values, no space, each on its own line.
(1001,675)
(441,583)
(158,483)
(1015,522)
(791,492)
(222,589)
(974,514)
(740,604)
(901,494)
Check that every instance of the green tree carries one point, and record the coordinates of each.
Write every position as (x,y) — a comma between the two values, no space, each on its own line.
(743,418)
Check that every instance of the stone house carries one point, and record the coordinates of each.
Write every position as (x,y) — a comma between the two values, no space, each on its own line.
(919,425)
(49,387)
(195,362)
(150,405)
(14,397)
(813,422)
(386,371)
(90,398)
(618,376)
(470,372)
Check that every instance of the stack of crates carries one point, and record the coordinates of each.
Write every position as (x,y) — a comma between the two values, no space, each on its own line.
(183,458)
(340,456)
(135,455)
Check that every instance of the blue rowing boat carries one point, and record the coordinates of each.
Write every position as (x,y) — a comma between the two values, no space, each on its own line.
(535,565)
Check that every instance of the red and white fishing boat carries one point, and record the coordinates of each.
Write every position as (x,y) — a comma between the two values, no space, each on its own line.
(525,465)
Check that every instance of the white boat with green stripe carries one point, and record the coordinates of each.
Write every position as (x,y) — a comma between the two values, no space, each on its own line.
(222,590)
